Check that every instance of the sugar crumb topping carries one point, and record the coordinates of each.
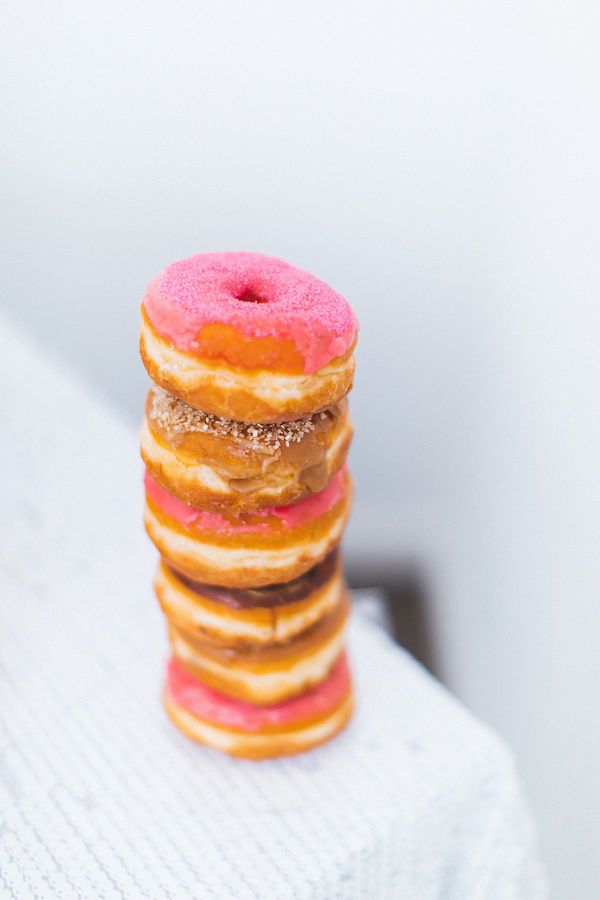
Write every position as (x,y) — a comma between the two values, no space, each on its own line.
(176,417)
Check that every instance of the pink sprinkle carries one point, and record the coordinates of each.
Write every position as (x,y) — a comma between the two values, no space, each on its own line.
(257,295)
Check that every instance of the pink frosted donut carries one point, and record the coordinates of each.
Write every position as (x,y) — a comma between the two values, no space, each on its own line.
(257,732)
(274,518)
(247,550)
(247,337)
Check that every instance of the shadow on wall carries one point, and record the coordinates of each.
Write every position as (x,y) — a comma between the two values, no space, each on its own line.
(403,592)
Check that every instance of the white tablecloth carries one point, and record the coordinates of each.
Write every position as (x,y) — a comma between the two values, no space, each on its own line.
(100,797)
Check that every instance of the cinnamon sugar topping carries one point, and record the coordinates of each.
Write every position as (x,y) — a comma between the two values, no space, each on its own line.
(176,417)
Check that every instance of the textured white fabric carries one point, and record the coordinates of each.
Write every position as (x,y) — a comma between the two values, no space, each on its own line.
(100,797)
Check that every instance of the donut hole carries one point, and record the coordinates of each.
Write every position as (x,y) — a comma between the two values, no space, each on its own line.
(250,296)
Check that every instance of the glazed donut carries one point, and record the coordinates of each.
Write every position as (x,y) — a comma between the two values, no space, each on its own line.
(267,674)
(219,464)
(236,618)
(247,337)
(259,732)
(269,546)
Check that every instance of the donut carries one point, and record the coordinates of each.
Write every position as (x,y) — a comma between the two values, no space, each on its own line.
(247,337)
(268,546)
(220,464)
(268,674)
(254,617)
(259,732)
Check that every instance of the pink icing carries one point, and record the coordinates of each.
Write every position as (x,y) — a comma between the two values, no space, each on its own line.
(294,305)
(206,703)
(292,516)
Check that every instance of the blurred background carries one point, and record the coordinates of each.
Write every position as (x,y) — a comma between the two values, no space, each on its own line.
(439,165)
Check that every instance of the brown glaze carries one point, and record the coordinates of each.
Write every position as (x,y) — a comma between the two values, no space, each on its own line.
(242,459)
(279,486)
(274,657)
(267,597)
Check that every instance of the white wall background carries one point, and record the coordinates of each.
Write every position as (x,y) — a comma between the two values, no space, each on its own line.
(439,164)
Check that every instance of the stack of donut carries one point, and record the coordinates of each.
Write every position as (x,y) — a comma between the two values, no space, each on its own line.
(245,438)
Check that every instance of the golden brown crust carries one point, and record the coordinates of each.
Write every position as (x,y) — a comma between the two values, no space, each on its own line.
(210,620)
(289,555)
(272,657)
(186,488)
(266,675)
(264,744)
(269,674)
(241,449)
(233,393)
(242,478)
(239,576)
